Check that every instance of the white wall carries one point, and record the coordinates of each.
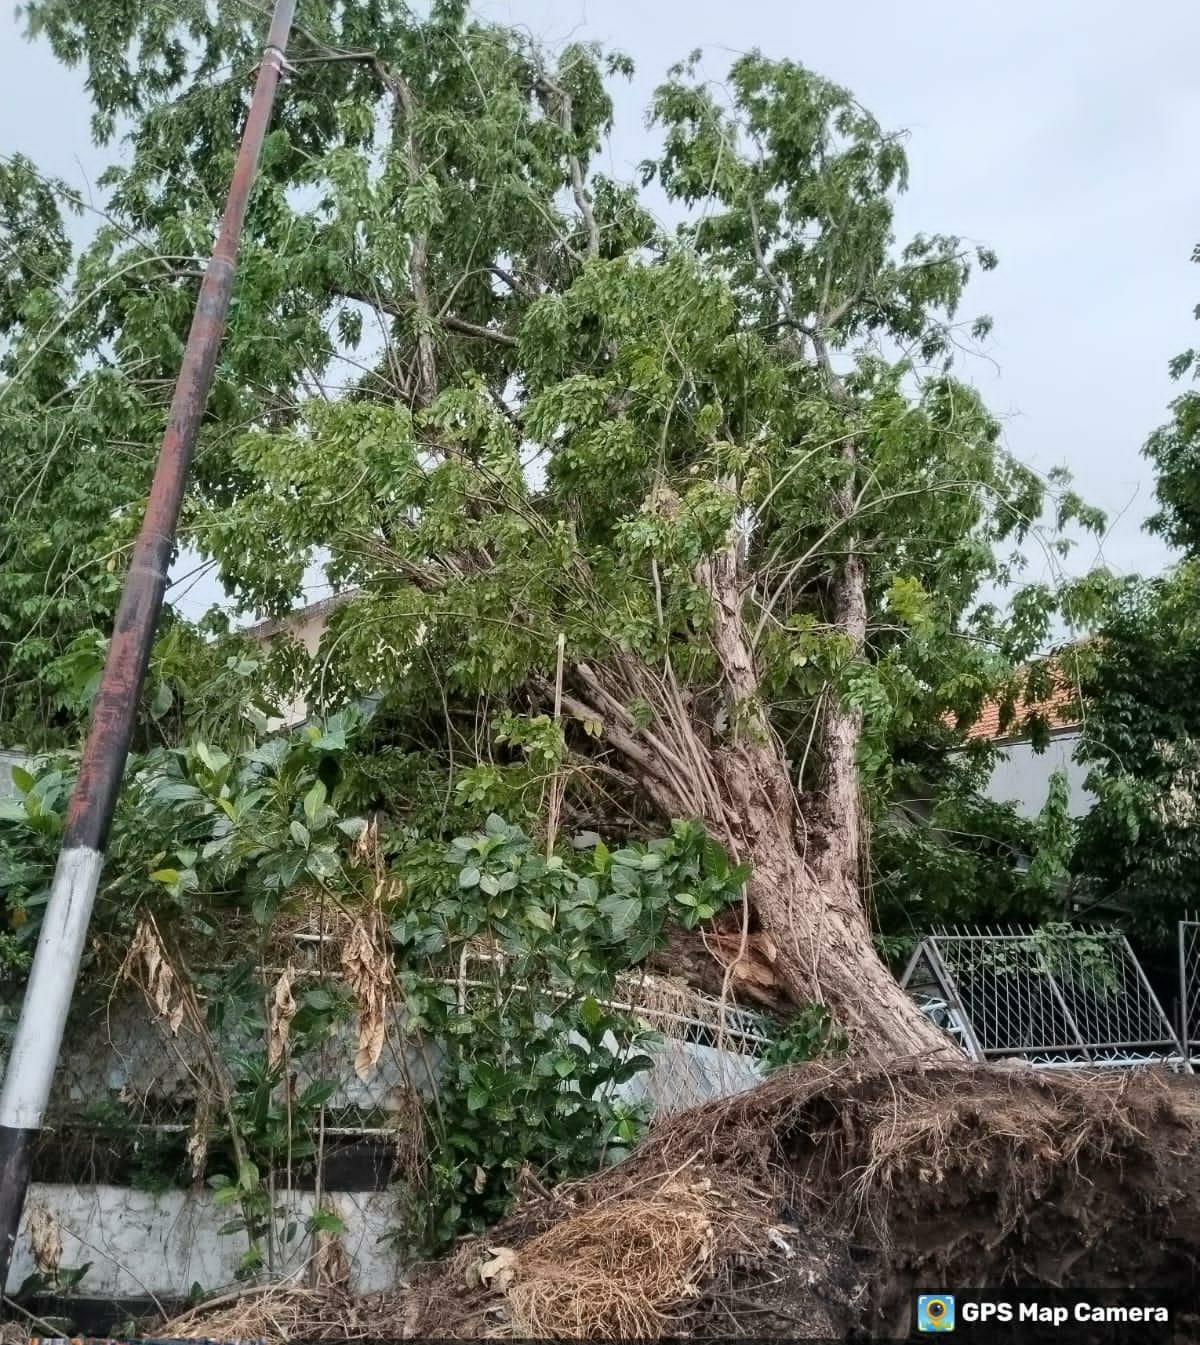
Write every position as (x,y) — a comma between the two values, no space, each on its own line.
(141,1243)
(7,761)
(1022,776)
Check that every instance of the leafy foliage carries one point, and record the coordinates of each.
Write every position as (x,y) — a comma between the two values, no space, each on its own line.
(529,1049)
(950,855)
(532,1047)
(811,1034)
(1139,848)
(1174,449)
(472,378)
(667,385)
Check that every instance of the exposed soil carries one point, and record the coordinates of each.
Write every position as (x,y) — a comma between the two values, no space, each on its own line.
(817,1204)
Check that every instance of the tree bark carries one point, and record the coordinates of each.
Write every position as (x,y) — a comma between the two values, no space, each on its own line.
(805,884)
(804,890)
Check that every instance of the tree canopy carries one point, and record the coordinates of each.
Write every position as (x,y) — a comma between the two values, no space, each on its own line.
(642,522)
(1139,849)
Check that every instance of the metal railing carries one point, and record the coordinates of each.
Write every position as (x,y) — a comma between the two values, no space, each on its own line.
(1057,998)
(1189,989)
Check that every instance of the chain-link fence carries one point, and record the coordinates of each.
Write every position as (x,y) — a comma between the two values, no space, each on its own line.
(1058,998)
(139,1076)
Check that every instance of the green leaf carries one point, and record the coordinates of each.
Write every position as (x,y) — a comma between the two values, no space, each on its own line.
(168,877)
(469,877)
(318,1093)
(628,1069)
(313,802)
(300,834)
(161,701)
(622,912)
(212,757)
(21,778)
(538,918)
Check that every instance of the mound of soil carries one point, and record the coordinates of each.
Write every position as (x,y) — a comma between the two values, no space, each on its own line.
(815,1205)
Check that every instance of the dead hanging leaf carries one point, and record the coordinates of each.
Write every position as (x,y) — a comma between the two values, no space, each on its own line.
(331,1262)
(500,1271)
(197,1152)
(365,849)
(147,965)
(367,969)
(45,1240)
(283,1010)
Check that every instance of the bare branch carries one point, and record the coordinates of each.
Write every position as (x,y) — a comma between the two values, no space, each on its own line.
(578,188)
(418,261)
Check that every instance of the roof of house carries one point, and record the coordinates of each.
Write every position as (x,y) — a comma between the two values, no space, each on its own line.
(1060,710)
(264,630)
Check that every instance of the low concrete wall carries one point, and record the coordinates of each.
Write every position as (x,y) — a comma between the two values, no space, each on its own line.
(141,1243)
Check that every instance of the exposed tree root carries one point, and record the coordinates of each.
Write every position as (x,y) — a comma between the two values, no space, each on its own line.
(813,1207)
(829,1193)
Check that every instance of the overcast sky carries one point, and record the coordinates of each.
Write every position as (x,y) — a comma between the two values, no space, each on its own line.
(1061,134)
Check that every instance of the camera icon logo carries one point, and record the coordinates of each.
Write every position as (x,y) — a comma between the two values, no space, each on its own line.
(935,1312)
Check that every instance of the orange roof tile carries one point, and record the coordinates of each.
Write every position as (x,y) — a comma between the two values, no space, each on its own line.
(1060,710)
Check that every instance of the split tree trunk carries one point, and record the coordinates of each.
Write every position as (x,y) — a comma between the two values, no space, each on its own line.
(806,882)
(805,886)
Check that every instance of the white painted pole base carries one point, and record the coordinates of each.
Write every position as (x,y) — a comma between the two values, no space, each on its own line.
(34,1052)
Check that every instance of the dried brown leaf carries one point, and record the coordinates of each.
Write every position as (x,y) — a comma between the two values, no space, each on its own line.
(500,1269)
(367,969)
(147,966)
(283,1010)
(45,1239)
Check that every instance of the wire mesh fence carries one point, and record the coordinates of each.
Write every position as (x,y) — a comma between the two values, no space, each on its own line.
(1189,989)
(125,1068)
(1059,998)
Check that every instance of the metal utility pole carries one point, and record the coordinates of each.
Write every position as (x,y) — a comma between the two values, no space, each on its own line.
(35,1046)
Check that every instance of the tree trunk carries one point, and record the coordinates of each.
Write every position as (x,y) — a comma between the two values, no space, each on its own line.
(805,884)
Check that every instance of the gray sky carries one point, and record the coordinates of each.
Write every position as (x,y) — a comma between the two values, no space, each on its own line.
(1060,134)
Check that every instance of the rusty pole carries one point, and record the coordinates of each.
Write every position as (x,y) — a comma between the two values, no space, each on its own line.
(34,1054)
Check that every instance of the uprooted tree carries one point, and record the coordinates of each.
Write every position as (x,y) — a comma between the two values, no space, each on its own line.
(698,519)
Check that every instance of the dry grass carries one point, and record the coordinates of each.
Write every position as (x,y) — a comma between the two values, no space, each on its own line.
(285,1312)
(615,1270)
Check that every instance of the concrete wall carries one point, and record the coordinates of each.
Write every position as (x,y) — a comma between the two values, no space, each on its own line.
(162,1244)
(7,761)
(142,1243)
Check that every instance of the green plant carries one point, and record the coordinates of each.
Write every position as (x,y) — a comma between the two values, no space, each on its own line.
(812,1033)
(766,516)
(531,1050)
